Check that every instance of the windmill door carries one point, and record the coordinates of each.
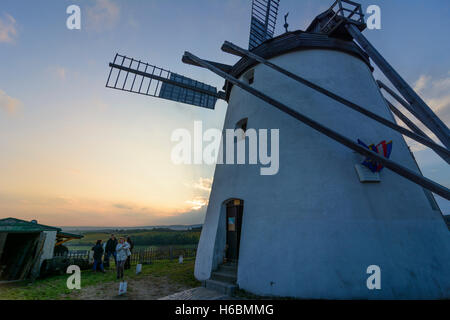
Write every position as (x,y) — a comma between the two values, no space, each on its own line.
(234,222)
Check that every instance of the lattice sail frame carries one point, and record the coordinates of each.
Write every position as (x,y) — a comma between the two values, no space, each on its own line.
(263,22)
(150,80)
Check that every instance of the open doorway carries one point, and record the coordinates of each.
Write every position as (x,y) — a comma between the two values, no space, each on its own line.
(17,255)
(235,209)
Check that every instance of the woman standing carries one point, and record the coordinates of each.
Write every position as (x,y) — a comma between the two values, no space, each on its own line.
(122,249)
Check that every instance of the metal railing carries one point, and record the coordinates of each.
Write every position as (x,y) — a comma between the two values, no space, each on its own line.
(341,13)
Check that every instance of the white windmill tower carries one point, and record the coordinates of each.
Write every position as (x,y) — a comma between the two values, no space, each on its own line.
(315,228)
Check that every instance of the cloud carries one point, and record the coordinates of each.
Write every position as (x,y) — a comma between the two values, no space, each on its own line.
(204,184)
(8,29)
(436,93)
(68,210)
(122,206)
(9,104)
(197,203)
(442,84)
(421,83)
(103,16)
(184,218)
(61,73)
(201,197)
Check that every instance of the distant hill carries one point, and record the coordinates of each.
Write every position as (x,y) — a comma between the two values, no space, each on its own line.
(118,229)
(143,237)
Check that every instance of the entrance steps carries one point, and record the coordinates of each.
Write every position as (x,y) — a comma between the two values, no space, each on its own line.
(223,279)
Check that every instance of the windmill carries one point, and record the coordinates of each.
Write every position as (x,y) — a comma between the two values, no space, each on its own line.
(313,229)
(153,81)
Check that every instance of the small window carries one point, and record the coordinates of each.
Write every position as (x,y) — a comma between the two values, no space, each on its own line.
(249,77)
(242,124)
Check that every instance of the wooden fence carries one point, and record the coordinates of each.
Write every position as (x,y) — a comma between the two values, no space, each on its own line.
(59,263)
(77,254)
(147,255)
(140,255)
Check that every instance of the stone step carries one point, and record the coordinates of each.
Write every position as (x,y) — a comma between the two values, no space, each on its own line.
(224,276)
(229,271)
(227,268)
(230,264)
(219,286)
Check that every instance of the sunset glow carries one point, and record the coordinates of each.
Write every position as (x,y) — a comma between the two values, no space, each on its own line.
(74,153)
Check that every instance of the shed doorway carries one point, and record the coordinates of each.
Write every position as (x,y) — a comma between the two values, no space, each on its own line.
(235,209)
(16,258)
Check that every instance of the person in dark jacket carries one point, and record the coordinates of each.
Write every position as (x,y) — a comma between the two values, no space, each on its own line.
(110,250)
(98,255)
(128,262)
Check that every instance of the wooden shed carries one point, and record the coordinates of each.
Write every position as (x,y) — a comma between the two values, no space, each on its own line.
(24,245)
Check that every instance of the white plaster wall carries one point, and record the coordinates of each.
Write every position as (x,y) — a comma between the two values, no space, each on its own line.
(312,230)
(49,246)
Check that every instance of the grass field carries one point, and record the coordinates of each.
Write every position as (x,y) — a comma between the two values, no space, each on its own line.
(143,238)
(161,278)
(89,247)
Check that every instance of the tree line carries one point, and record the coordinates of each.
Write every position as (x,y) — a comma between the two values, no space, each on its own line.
(159,237)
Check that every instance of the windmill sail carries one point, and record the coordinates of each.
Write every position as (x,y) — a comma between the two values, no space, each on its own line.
(264,19)
(128,74)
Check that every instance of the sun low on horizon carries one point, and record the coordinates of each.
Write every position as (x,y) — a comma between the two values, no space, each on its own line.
(75,153)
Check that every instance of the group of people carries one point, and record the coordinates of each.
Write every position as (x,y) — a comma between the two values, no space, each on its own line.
(121,251)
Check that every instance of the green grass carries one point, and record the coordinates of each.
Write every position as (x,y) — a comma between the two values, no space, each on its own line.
(156,237)
(179,273)
(55,288)
(136,247)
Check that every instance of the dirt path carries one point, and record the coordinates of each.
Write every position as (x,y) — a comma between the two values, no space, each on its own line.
(146,288)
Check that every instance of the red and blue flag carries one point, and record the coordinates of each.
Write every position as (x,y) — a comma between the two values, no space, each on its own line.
(383,148)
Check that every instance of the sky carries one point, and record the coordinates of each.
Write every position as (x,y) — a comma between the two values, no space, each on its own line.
(74,153)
